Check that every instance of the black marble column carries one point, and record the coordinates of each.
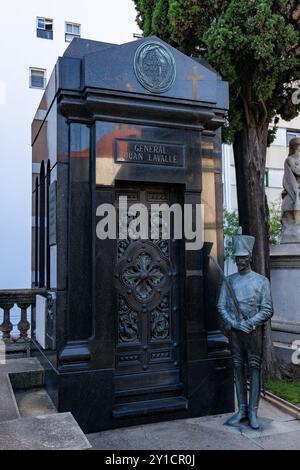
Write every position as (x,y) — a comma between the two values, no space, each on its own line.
(76,352)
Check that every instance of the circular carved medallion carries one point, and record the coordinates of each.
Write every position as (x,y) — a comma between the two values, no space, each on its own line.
(154,67)
(143,276)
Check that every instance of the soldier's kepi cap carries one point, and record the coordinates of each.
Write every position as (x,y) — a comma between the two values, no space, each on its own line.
(243,245)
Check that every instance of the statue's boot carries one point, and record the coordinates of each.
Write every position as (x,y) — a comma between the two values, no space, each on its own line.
(254,397)
(241,393)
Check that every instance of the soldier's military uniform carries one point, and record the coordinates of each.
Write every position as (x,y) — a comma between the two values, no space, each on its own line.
(253,295)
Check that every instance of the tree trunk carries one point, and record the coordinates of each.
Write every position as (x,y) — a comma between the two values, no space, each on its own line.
(250,147)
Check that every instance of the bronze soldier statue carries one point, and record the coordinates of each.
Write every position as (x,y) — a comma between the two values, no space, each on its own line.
(245,304)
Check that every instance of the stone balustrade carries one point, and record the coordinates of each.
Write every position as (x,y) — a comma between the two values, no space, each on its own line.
(24,299)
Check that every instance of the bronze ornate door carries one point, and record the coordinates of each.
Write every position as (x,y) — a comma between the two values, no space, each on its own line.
(148,293)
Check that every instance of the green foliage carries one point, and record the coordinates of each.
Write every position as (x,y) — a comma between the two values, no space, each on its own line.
(160,22)
(231,225)
(254,45)
(288,390)
(145,10)
(272,131)
(274,222)
(189,19)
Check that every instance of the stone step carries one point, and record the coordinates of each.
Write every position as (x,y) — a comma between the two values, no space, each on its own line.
(150,393)
(28,419)
(16,373)
(51,432)
(34,402)
(8,405)
(144,408)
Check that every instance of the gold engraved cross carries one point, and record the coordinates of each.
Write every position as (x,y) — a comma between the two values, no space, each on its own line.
(194,78)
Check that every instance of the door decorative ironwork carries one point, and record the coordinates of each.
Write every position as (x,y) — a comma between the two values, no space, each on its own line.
(148,298)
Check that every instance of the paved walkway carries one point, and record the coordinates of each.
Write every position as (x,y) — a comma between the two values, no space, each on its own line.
(278,431)
(21,425)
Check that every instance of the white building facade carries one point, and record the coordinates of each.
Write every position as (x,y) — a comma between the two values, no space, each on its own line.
(33,33)
(276,154)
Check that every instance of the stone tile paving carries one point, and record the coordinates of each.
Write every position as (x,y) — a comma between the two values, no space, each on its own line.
(278,431)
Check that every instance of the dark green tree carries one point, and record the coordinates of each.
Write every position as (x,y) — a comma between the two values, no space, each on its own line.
(255,46)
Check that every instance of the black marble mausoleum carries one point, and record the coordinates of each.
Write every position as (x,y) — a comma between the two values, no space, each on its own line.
(131,330)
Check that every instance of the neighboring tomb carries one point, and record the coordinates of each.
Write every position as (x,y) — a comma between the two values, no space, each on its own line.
(131,331)
(285,262)
(290,207)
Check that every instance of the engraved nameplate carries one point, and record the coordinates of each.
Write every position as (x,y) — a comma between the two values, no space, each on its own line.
(153,153)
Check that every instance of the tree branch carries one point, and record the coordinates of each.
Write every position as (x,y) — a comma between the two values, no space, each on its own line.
(264,114)
(246,109)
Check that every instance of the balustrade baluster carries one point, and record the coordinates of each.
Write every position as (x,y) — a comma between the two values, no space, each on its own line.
(6,325)
(23,325)
(24,299)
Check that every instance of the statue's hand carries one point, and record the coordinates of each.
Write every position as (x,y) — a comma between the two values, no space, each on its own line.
(235,324)
(245,326)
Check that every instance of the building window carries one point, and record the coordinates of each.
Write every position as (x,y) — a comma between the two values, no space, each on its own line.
(72,30)
(267,178)
(44,28)
(37,78)
(291,135)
